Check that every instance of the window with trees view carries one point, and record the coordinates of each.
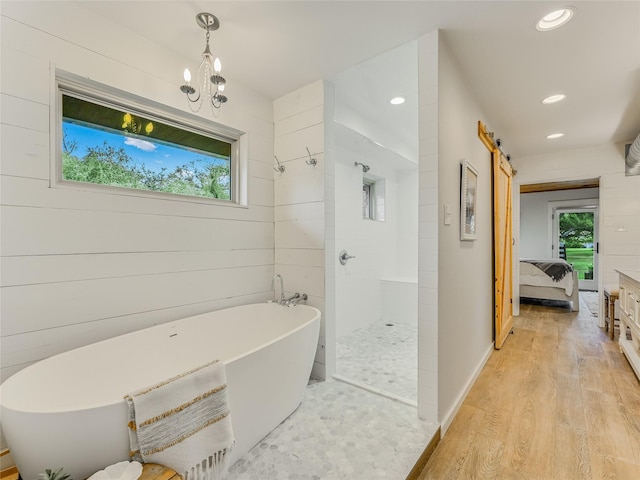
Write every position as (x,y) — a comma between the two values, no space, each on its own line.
(576,233)
(109,144)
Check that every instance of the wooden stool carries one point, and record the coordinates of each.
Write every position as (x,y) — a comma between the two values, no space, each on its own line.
(611,294)
(152,471)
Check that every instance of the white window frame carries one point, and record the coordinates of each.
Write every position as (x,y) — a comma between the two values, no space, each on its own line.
(94,92)
(376,197)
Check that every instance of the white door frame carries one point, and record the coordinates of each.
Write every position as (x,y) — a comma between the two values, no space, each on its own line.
(568,206)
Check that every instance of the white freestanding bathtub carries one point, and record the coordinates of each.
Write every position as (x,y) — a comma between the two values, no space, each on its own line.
(69,410)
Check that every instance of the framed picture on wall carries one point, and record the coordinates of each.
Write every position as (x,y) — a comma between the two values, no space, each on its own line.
(468,201)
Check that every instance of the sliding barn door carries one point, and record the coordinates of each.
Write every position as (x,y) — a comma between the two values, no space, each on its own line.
(502,175)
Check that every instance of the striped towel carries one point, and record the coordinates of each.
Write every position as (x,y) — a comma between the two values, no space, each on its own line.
(184,423)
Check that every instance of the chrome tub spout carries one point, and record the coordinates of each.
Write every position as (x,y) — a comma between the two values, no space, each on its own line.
(282,301)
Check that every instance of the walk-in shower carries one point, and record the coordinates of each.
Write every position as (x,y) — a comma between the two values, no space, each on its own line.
(376,222)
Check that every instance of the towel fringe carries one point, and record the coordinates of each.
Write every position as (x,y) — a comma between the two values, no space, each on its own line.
(190,430)
(211,468)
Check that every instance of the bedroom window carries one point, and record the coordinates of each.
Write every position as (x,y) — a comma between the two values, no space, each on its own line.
(112,140)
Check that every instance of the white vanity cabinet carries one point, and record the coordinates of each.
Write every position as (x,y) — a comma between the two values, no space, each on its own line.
(630,317)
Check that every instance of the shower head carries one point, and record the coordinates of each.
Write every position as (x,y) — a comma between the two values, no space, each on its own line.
(365,168)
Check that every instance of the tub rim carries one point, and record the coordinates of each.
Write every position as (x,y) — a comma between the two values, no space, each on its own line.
(11,404)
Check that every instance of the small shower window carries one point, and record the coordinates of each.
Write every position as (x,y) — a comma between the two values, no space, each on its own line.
(367,208)
(372,199)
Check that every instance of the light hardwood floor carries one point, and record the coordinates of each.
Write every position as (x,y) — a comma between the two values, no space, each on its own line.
(559,401)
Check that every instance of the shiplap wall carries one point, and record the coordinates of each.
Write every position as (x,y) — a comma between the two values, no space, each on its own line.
(82,265)
(299,198)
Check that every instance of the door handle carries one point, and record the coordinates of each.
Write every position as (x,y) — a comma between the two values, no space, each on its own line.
(343,256)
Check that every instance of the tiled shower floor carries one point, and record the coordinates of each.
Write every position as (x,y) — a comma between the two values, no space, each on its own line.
(339,432)
(381,356)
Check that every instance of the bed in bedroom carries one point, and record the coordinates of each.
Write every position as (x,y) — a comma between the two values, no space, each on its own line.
(549,280)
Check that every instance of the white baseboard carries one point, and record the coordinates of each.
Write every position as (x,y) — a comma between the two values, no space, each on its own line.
(451,414)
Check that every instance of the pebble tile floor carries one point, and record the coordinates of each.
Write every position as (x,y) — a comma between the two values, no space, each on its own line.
(382,356)
(339,432)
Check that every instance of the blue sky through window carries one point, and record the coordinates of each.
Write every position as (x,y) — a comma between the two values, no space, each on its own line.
(153,155)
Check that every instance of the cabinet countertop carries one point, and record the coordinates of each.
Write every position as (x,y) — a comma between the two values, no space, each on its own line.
(632,274)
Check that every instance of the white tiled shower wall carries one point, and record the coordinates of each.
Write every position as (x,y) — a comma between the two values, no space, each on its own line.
(374,243)
(309,233)
(387,246)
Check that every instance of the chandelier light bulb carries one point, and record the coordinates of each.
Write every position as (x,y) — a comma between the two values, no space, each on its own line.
(221,87)
(217,66)
(187,75)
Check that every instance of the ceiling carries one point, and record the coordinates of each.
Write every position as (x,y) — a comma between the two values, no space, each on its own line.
(275,47)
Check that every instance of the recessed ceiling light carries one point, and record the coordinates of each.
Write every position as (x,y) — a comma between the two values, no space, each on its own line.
(555,19)
(397,100)
(554,99)
(555,135)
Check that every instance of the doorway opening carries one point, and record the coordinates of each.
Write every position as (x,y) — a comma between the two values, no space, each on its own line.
(573,228)
(576,241)
(375,175)
(538,226)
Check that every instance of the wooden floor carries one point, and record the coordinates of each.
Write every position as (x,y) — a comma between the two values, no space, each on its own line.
(559,401)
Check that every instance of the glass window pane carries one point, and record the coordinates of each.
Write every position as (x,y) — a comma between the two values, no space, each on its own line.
(576,230)
(107,145)
(366,201)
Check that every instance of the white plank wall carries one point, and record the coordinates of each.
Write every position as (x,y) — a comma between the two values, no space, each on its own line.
(81,265)
(299,199)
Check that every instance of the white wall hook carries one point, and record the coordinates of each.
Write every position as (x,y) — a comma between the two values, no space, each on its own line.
(280,167)
(311,161)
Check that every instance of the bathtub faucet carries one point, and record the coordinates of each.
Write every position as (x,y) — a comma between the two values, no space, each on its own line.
(282,301)
(293,301)
(289,301)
